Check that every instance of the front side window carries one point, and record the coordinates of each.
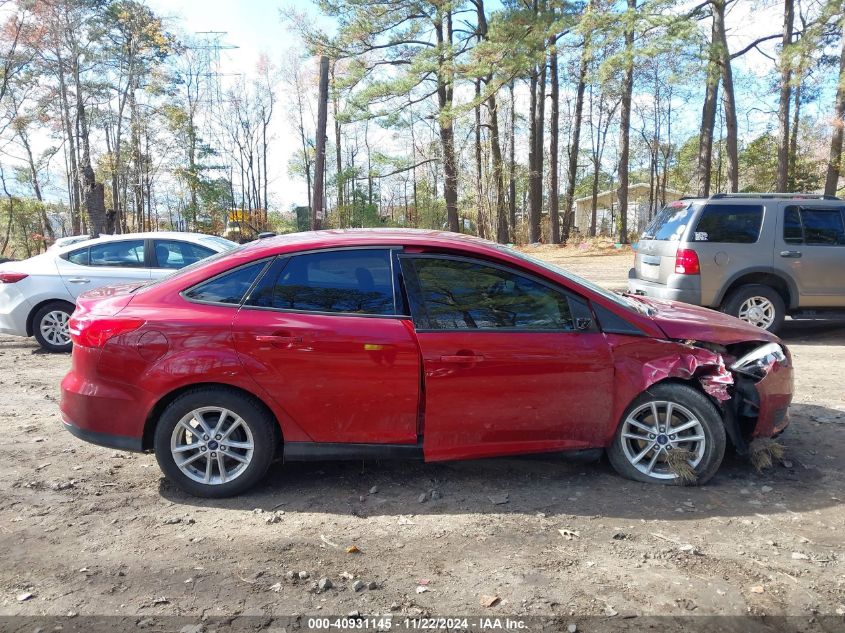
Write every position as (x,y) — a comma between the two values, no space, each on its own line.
(454,294)
(176,254)
(813,226)
(227,288)
(121,254)
(729,223)
(357,281)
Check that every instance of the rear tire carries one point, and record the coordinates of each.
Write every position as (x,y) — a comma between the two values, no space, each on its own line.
(224,442)
(642,453)
(50,326)
(758,305)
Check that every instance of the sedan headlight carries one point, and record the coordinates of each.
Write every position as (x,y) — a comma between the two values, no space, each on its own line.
(759,361)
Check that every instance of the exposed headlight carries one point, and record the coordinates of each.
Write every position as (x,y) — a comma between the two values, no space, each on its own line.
(758,361)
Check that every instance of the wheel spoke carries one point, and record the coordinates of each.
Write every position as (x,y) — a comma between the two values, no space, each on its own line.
(237,423)
(691,438)
(238,458)
(634,436)
(190,460)
(640,425)
(653,461)
(219,426)
(187,447)
(669,408)
(641,454)
(221,467)
(655,415)
(190,429)
(201,422)
(685,426)
(247,446)
(207,470)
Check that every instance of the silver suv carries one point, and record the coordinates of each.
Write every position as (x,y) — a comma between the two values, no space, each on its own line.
(758,257)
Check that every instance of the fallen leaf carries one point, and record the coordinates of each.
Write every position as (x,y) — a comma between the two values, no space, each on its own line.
(353,549)
(489,601)
(757,589)
(569,534)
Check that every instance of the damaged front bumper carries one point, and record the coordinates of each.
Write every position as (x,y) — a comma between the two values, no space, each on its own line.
(753,392)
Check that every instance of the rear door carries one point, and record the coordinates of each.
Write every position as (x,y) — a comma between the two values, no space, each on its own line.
(511,364)
(324,334)
(810,248)
(106,263)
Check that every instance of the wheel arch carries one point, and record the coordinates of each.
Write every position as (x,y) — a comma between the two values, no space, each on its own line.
(783,284)
(163,402)
(30,327)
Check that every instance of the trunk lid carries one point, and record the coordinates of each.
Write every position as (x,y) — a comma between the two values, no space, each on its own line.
(106,301)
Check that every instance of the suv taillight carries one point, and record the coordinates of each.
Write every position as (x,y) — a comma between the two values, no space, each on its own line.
(11,278)
(686,262)
(95,331)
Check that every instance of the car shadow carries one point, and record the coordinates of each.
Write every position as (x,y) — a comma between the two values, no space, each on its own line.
(808,478)
(813,332)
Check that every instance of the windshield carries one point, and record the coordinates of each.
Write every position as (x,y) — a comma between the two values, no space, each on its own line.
(219,241)
(618,299)
(670,223)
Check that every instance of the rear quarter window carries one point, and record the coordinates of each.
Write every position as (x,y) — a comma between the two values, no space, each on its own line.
(727,223)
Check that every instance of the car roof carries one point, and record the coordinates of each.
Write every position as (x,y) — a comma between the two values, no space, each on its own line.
(161,235)
(369,237)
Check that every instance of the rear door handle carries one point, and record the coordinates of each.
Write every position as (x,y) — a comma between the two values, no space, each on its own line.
(79,280)
(792,254)
(461,358)
(278,339)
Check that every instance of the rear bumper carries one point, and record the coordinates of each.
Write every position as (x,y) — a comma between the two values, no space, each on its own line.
(14,311)
(121,442)
(686,288)
(100,411)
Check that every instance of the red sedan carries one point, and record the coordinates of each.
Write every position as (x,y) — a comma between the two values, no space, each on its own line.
(410,344)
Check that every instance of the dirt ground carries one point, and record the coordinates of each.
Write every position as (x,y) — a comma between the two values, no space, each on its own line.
(90,531)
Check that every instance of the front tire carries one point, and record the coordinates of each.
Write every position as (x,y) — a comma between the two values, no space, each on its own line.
(214,442)
(665,418)
(758,305)
(50,326)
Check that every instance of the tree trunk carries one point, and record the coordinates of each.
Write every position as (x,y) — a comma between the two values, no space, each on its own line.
(535,210)
(479,185)
(338,155)
(92,191)
(512,168)
(785,96)
(445,89)
(797,80)
(554,135)
(834,161)
(708,119)
(319,170)
(574,147)
(625,125)
(731,139)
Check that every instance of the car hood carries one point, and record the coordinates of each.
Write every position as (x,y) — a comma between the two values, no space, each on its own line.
(682,321)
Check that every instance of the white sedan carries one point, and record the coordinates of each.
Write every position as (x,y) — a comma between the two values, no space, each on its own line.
(37,295)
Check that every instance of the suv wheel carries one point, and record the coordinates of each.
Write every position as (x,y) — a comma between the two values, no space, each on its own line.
(213,442)
(671,434)
(758,305)
(49,325)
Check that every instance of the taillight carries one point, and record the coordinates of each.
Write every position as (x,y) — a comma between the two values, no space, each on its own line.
(93,331)
(11,278)
(686,262)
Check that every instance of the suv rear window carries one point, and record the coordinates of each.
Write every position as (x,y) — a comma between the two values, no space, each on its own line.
(670,223)
(813,225)
(733,224)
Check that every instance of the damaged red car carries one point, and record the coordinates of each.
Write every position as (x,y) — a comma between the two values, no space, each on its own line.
(411,345)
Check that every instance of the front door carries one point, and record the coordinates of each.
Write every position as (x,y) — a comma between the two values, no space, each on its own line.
(322,336)
(511,363)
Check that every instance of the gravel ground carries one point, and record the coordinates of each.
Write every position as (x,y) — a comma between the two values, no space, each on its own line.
(90,531)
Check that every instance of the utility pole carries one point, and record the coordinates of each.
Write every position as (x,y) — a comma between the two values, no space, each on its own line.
(320,162)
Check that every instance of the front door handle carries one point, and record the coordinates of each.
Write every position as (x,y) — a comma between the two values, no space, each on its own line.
(461,358)
(278,339)
(792,254)
(78,280)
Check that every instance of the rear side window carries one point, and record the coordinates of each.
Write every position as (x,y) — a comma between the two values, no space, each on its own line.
(815,226)
(357,281)
(176,254)
(727,223)
(465,295)
(227,288)
(120,254)
(670,223)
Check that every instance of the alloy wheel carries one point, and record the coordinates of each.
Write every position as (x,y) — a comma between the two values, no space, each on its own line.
(212,445)
(656,428)
(54,328)
(757,311)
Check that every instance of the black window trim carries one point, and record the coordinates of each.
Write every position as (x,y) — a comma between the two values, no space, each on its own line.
(267,263)
(413,288)
(811,207)
(392,249)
